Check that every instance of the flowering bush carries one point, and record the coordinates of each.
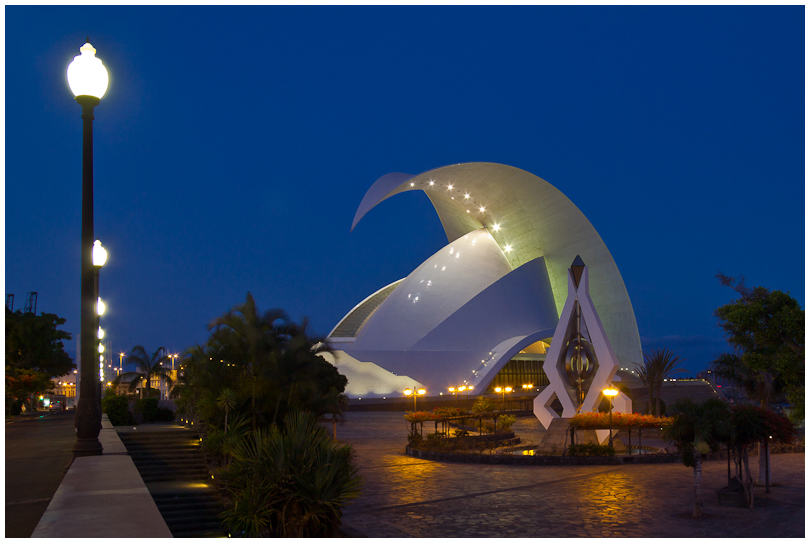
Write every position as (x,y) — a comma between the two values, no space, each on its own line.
(447,412)
(620,420)
(438,413)
(418,416)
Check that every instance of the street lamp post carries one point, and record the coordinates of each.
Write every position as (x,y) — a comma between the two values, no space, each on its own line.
(88,79)
(610,392)
(414,392)
(503,391)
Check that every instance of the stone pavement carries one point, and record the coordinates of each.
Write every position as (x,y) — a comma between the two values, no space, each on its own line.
(409,497)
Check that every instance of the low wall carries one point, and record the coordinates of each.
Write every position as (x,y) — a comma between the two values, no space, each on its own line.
(521,460)
(470,442)
(102,496)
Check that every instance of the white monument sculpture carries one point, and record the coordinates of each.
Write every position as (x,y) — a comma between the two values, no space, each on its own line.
(580,363)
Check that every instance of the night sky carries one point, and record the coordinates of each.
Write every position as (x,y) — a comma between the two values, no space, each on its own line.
(235,143)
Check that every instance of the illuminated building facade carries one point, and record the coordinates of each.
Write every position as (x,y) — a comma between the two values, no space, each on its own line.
(483,309)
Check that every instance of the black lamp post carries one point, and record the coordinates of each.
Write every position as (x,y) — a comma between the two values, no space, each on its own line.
(88,80)
(610,392)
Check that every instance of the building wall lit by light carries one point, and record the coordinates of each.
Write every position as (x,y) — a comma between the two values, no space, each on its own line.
(492,292)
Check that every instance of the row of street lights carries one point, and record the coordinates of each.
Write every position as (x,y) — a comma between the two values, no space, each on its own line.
(463,388)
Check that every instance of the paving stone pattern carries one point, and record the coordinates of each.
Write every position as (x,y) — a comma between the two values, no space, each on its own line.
(408,497)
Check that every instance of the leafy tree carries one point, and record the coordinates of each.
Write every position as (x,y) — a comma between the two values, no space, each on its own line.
(274,363)
(661,364)
(34,343)
(766,330)
(25,384)
(697,429)
(148,366)
(751,424)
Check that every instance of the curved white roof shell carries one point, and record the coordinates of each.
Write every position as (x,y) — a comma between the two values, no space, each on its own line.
(497,287)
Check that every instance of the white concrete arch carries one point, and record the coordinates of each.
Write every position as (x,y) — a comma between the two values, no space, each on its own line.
(528,218)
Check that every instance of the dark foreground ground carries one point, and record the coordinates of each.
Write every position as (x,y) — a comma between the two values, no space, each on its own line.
(39,447)
(408,497)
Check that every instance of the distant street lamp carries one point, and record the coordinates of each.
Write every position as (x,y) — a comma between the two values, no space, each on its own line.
(414,392)
(503,391)
(610,392)
(88,79)
(99,259)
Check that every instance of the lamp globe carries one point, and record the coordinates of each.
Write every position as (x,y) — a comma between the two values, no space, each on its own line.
(86,75)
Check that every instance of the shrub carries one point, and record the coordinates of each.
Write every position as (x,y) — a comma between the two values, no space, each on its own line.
(591,449)
(505,422)
(117,409)
(164,414)
(290,483)
(146,409)
(16,405)
(483,405)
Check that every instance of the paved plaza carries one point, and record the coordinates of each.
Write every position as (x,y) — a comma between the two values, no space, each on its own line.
(408,497)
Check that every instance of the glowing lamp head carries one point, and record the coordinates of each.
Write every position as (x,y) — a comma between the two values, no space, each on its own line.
(610,392)
(498,389)
(99,254)
(462,389)
(508,389)
(100,347)
(451,389)
(407,392)
(100,333)
(86,75)
(421,391)
(101,307)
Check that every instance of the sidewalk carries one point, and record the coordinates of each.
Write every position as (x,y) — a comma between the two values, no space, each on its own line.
(404,496)
(103,496)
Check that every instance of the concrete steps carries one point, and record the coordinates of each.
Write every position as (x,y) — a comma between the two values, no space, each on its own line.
(170,461)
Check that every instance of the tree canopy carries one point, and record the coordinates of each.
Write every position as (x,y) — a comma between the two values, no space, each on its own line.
(766,329)
(34,343)
(269,363)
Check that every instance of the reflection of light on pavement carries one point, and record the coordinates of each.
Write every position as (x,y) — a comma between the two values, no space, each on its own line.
(606,495)
(412,483)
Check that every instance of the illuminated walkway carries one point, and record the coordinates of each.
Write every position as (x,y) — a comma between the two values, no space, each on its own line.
(408,497)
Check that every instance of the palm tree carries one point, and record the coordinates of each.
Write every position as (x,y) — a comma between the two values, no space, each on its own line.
(147,367)
(662,363)
(252,340)
(698,428)
(226,401)
(646,374)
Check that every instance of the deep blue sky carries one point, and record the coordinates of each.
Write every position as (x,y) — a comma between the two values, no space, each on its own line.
(235,144)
